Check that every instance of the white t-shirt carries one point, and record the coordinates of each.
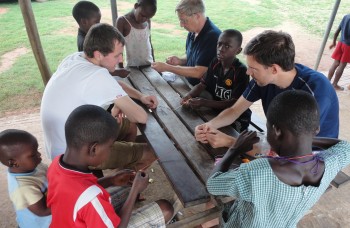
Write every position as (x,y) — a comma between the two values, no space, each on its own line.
(76,82)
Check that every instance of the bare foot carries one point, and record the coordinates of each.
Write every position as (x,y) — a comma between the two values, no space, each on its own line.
(336,87)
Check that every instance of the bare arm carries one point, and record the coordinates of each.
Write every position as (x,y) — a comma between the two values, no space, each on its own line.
(140,183)
(149,100)
(186,71)
(133,93)
(201,102)
(133,111)
(229,115)
(40,208)
(336,34)
(195,92)
(324,143)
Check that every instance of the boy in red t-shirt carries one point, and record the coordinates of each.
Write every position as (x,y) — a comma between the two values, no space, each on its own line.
(76,197)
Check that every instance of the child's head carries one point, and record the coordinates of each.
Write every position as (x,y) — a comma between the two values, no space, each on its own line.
(271,47)
(91,131)
(19,151)
(295,111)
(229,45)
(144,10)
(86,14)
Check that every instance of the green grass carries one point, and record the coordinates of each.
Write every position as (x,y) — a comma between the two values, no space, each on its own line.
(21,86)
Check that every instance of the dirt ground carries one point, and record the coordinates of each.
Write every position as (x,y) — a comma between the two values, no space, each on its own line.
(331,211)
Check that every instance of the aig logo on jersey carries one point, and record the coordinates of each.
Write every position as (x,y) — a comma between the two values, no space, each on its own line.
(222,93)
(228,82)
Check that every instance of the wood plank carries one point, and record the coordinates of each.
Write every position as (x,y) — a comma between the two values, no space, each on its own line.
(190,190)
(340,179)
(196,155)
(197,219)
(206,115)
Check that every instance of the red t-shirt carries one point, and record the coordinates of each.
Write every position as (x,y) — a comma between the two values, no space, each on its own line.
(77,200)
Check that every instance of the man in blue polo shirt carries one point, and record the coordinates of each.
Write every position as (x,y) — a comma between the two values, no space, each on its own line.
(200,44)
(270,60)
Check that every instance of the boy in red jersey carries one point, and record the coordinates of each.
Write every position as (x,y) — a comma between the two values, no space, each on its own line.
(76,197)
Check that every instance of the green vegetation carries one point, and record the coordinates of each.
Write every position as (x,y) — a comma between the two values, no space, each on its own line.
(21,86)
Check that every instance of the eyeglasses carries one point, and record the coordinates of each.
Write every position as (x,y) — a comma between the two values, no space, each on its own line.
(185,21)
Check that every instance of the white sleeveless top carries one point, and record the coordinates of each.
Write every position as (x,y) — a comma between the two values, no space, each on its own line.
(138,46)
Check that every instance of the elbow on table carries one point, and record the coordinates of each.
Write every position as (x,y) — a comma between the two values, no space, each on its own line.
(141,117)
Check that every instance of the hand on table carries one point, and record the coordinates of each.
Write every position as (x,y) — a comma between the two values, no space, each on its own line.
(159,66)
(218,139)
(185,100)
(150,101)
(200,132)
(196,102)
(173,60)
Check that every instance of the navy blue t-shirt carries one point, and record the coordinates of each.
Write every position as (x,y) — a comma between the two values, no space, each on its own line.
(345,29)
(202,50)
(310,81)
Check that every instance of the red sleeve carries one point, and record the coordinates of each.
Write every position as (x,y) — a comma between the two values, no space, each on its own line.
(99,212)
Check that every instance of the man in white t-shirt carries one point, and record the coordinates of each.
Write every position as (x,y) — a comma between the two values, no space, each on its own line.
(84,78)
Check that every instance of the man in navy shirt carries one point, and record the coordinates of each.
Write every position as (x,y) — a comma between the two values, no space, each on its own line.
(200,44)
(270,60)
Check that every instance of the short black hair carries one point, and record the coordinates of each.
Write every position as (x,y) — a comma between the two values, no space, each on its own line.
(12,137)
(150,4)
(89,124)
(84,10)
(233,33)
(295,110)
(271,47)
(101,37)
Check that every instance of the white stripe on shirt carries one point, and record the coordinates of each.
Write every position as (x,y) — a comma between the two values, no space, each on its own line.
(90,195)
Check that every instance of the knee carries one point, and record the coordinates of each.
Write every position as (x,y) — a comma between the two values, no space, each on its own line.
(167,209)
(148,153)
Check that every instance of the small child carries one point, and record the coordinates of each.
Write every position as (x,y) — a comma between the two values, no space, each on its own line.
(27,183)
(86,15)
(136,28)
(341,54)
(277,191)
(90,133)
(225,80)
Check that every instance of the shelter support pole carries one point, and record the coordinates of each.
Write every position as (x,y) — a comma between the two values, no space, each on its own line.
(114,11)
(34,39)
(326,34)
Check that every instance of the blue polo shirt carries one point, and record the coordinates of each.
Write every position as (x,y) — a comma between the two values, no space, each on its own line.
(202,50)
(312,82)
(345,30)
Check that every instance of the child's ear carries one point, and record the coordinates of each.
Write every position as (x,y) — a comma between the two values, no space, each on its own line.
(276,131)
(92,149)
(238,51)
(317,130)
(13,163)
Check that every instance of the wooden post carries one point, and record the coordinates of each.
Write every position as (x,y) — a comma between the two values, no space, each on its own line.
(33,36)
(114,12)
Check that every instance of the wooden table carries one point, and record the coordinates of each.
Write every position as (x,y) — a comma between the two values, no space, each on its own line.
(170,131)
